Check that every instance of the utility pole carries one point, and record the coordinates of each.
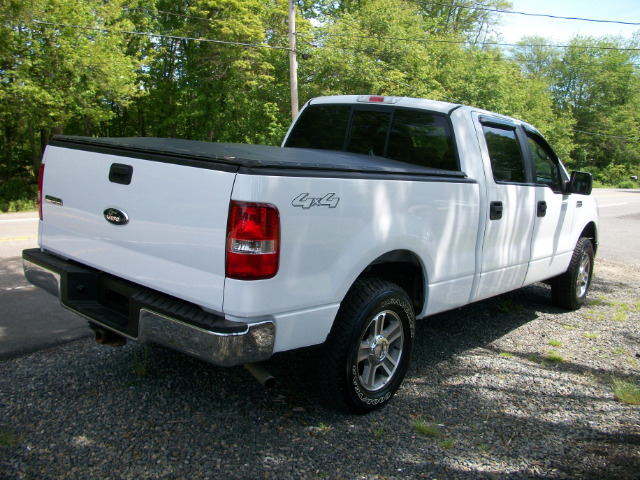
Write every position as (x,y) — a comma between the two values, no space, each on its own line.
(293,62)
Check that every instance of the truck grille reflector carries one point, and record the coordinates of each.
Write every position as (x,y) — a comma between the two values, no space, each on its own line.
(253,241)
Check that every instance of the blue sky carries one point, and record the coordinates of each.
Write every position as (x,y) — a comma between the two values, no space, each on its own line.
(514,27)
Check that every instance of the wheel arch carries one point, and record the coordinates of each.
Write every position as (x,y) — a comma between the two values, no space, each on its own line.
(590,231)
(403,268)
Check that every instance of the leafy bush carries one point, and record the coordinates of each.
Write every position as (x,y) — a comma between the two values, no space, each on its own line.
(628,184)
(18,195)
(612,175)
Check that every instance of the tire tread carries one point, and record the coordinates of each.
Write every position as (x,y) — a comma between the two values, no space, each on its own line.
(563,287)
(332,358)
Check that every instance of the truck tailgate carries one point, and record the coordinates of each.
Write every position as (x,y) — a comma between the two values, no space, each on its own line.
(174,239)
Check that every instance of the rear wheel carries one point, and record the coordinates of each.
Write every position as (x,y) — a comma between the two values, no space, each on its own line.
(368,351)
(569,290)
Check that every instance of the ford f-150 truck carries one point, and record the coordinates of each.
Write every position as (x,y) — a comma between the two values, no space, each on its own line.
(374,212)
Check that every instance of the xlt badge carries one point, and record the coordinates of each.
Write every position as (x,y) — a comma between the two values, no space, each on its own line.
(116,216)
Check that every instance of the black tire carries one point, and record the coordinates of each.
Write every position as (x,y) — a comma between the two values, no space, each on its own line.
(570,289)
(369,349)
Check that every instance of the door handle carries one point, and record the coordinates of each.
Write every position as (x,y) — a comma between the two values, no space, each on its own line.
(120,173)
(542,208)
(495,211)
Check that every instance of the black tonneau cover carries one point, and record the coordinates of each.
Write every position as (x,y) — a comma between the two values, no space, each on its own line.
(248,158)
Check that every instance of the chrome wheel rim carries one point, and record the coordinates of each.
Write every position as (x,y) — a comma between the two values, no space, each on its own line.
(380,351)
(584,273)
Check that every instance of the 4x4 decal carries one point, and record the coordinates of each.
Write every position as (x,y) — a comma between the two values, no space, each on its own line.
(305,201)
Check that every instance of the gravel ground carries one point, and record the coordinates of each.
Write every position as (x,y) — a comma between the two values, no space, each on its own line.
(507,388)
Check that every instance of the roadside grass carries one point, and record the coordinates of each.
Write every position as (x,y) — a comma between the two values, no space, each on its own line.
(141,361)
(506,354)
(555,343)
(15,206)
(554,357)
(595,315)
(434,431)
(378,432)
(18,195)
(508,306)
(600,300)
(620,316)
(428,429)
(613,310)
(447,443)
(324,428)
(8,438)
(626,392)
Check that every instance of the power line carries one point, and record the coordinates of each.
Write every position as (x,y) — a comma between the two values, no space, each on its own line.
(275,47)
(481,7)
(605,135)
(181,15)
(464,42)
(500,59)
(371,37)
(158,35)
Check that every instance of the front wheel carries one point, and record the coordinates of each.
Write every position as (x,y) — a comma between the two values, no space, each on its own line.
(368,351)
(569,290)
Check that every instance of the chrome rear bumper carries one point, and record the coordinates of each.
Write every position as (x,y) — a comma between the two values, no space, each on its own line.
(147,316)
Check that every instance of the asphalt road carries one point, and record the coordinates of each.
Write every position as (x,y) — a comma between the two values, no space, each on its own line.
(31,319)
(619,225)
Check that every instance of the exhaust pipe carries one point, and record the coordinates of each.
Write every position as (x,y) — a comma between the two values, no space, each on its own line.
(107,337)
(260,374)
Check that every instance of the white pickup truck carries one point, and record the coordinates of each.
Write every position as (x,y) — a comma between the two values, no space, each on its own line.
(377,211)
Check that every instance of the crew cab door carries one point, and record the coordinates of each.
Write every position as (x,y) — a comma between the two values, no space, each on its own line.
(509,215)
(551,247)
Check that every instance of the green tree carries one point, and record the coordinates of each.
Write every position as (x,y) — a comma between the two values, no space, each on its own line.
(595,83)
(221,72)
(63,61)
(386,47)
(473,20)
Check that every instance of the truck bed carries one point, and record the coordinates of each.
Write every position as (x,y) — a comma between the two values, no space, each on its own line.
(247,159)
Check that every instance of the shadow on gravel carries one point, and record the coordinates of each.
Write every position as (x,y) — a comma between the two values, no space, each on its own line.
(87,411)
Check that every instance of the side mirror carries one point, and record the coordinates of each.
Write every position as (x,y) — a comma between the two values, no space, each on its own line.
(581,183)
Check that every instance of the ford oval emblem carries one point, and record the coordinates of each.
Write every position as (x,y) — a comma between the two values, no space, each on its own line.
(116,216)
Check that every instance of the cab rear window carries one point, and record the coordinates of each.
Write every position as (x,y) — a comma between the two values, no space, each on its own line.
(417,137)
(321,127)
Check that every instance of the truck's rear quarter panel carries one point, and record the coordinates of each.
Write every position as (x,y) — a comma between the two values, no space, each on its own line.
(324,249)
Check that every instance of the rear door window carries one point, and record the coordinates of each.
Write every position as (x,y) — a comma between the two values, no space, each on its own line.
(507,162)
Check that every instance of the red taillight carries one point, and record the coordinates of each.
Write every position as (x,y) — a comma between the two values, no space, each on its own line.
(253,241)
(376,99)
(40,178)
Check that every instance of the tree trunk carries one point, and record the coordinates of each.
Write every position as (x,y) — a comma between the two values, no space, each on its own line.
(46,134)
(36,156)
(7,150)
(87,125)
